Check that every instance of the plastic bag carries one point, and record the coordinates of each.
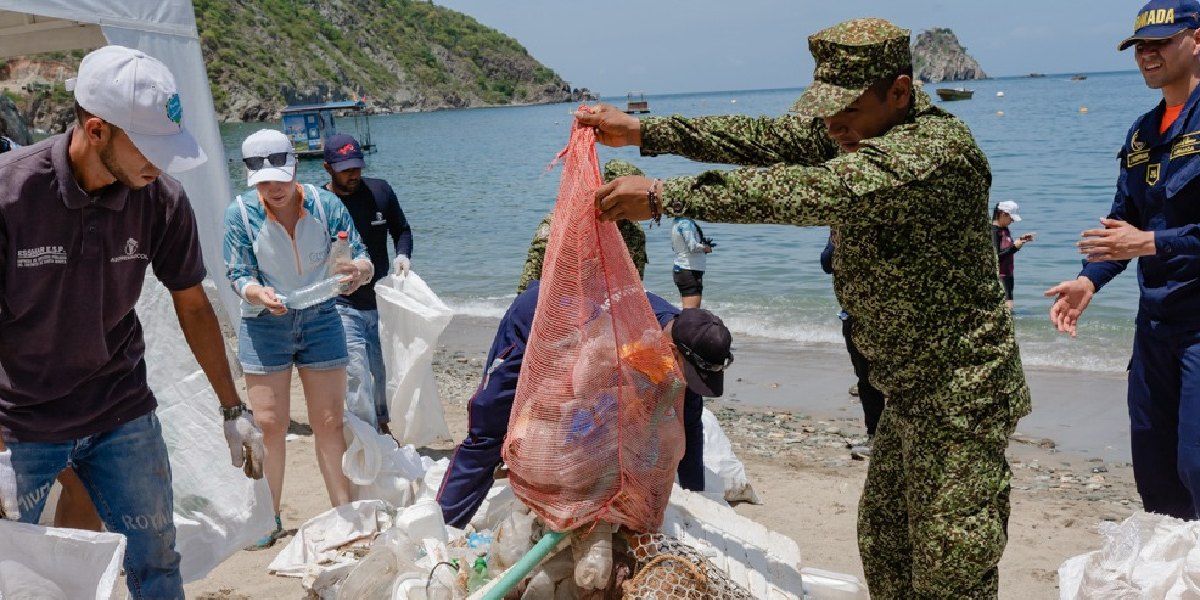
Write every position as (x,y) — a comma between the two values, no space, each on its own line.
(596,428)
(411,317)
(218,510)
(80,564)
(723,463)
(1147,556)
(377,467)
(360,385)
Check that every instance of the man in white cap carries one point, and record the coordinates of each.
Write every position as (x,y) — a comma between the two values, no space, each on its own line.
(1003,215)
(82,216)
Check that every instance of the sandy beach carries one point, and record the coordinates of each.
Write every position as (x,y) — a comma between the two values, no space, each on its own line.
(789,415)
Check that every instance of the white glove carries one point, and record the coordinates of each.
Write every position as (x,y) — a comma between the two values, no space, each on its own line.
(245,442)
(401,266)
(9,507)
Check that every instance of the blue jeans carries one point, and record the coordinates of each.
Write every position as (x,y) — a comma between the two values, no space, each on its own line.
(310,338)
(362,342)
(127,475)
(1164,418)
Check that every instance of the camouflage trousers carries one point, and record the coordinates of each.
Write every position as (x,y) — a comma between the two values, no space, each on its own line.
(933,519)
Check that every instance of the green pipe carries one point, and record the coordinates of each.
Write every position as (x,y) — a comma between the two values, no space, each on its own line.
(529,562)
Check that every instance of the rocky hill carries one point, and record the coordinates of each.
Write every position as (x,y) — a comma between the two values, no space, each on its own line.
(938,56)
(396,55)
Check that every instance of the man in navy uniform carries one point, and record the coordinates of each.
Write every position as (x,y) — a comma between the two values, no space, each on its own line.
(701,346)
(1155,217)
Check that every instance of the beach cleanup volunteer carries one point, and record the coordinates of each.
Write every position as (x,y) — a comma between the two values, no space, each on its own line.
(82,216)
(278,238)
(1155,217)
(702,347)
(631,232)
(904,189)
(376,212)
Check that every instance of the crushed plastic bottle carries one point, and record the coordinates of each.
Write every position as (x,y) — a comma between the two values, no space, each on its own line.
(593,559)
(479,575)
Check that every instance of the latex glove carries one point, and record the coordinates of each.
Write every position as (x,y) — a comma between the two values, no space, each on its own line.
(245,442)
(401,266)
(9,508)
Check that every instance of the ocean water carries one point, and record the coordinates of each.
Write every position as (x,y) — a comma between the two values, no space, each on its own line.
(474,184)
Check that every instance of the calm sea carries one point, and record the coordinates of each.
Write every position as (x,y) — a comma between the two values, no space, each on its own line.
(474,184)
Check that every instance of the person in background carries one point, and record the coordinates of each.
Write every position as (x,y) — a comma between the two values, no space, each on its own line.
(377,215)
(691,250)
(84,214)
(631,232)
(1003,215)
(1155,217)
(871,398)
(278,237)
(702,348)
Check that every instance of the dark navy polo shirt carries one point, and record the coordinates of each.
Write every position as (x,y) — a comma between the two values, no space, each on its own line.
(71,270)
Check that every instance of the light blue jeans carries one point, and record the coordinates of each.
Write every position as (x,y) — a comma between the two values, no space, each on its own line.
(126,473)
(365,349)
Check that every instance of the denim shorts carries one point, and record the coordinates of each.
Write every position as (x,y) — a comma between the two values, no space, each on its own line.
(310,338)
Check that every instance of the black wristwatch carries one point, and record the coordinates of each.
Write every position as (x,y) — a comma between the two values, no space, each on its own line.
(231,413)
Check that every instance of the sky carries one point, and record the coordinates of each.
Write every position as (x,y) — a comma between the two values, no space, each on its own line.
(664,46)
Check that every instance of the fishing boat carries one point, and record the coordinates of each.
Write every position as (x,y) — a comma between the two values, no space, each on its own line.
(1036,75)
(309,125)
(951,94)
(635,102)
(1079,78)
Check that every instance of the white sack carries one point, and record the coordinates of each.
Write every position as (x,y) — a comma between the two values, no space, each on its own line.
(81,564)
(218,510)
(317,541)
(722,465)
(411,317)
(378,468)
(1147,557)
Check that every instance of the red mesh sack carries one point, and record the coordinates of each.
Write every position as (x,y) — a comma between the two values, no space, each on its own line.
(596,429)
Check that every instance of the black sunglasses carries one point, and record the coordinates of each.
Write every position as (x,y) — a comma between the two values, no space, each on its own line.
(702,364)
(276,159)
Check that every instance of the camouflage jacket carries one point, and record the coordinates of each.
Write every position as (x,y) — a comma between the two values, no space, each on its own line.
(913,259)
(631,232)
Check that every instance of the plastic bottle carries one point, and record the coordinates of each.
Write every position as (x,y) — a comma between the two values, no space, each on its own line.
(479,575)
(339,254)
(312,295)
(593,556)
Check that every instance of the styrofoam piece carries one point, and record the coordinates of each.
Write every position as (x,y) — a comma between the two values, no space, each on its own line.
(764,562)
(82,564)
(820,584)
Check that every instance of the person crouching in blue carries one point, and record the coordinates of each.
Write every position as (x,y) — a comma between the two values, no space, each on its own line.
(702,347)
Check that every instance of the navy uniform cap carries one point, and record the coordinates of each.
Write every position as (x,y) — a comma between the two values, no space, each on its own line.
(1161,19)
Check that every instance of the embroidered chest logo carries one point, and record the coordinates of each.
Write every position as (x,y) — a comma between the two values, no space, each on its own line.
(131,253)
(1186,145)
(1152,173)
(1138,152)
(43,255)
(379,220)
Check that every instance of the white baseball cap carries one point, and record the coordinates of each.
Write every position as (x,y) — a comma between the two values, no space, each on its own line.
(136,92)
(262,144)
(1011,208)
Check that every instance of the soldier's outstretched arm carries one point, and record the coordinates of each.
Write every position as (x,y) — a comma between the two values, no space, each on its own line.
(735,140)
(858,188)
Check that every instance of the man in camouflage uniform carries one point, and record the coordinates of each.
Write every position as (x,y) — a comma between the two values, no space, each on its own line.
(904,188)
(631,232)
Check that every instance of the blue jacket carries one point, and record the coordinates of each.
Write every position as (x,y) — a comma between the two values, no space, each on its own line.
(470,474)
(1159,190)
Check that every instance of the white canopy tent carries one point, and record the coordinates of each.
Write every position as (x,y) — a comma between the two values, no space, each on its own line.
(217,510)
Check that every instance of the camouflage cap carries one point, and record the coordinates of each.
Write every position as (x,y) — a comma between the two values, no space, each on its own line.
(850,57)
(619,168)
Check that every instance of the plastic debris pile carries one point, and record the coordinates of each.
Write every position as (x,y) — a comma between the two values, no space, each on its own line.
(1146,556)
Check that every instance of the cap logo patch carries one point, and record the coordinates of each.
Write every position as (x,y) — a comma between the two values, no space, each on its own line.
(347,149)
(1155,17)
(175,109)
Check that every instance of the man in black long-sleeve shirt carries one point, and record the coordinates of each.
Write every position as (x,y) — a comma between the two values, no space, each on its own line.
(376,212)
(871,398)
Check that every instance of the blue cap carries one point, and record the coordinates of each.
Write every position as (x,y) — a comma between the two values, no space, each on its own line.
(1161,19)
(343,152)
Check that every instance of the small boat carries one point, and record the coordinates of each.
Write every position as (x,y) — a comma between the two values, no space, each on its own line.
(1036,75)
(635,102)
(1079,78)
(309,125)
(951,94)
